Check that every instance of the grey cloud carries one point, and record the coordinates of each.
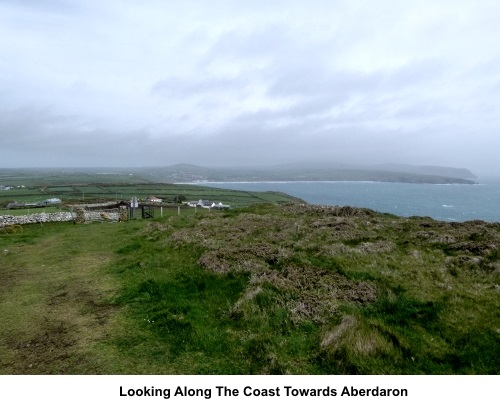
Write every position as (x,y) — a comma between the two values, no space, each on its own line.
(316,80)
(416,73)
(36,135)
(182,87)
(318,92)
(423,109)
(271,41)
(262,82)
(237,143)
(51,6)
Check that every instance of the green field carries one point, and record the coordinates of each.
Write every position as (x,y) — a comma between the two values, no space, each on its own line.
(265,289)
(81,187)
(59,177)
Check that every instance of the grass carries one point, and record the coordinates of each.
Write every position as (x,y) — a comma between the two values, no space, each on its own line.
(88,185)
(88,193)
(265,289)
(55,298)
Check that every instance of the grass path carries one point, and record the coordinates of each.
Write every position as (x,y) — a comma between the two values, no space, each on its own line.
(55,298)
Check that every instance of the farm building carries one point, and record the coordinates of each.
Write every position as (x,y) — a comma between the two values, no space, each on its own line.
(50,201)
(220,206)
(154,199)
(208,204)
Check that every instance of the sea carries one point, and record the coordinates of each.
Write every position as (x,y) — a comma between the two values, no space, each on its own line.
(446,202)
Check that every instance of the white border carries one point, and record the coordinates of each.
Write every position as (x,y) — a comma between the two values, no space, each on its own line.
(89,390)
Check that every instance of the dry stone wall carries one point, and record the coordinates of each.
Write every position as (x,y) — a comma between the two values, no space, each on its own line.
(95,205)
(101,215)
(6,220)
(80,216)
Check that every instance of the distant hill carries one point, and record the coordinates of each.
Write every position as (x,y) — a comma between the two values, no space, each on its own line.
(430,170)
(311,172)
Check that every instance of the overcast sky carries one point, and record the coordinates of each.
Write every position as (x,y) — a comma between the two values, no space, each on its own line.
(155,82)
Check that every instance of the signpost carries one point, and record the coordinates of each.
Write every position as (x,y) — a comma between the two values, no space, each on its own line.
(133,205)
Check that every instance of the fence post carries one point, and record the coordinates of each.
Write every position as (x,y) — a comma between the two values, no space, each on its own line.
(80,216)
(123,215)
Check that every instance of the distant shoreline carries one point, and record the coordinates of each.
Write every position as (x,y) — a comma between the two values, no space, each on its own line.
(447,203)
(322,181)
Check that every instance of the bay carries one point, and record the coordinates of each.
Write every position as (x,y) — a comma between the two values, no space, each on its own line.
(451,202)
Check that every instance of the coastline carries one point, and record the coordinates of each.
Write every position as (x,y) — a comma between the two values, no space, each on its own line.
(451,204)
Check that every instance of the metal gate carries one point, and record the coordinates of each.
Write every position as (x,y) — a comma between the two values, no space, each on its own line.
(148,212)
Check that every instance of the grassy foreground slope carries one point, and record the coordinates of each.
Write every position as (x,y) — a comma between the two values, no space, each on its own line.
(293,289)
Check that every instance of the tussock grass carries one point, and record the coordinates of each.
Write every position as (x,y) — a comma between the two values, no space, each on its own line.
(354,346)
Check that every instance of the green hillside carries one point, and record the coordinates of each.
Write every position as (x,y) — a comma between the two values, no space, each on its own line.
(310,172)
(266,289)
(77,186)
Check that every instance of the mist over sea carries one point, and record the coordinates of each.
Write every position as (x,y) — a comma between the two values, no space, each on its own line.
(443,202)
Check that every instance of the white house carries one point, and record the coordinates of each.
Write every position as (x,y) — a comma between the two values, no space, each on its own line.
(50,201)
(208,204)
(220,206)
(154,199)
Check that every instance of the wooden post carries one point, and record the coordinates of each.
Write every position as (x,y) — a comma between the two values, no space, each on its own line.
(123,215)
(179,210)
(80,216)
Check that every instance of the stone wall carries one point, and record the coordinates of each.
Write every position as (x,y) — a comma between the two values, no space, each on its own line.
(101,215)
(102,205)
(108,215)
(35,218)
